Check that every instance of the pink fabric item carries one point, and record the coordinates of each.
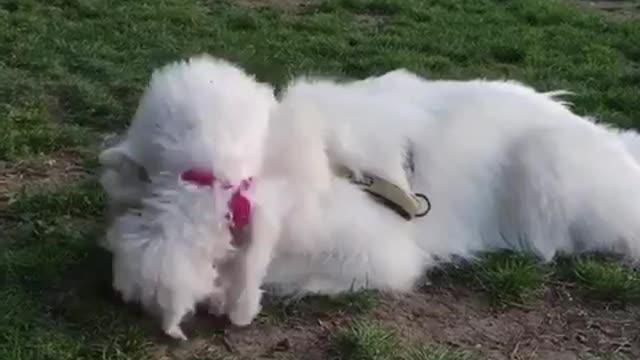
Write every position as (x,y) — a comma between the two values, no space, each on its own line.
(199,177)
(239,214)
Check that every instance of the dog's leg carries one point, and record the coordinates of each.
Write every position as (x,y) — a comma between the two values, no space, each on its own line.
(251,269)
(217,300)
(171,324)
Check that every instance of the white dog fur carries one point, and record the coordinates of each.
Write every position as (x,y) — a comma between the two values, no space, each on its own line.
(167,236)
(504,166)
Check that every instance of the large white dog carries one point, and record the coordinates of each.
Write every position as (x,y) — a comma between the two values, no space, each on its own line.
(210,161)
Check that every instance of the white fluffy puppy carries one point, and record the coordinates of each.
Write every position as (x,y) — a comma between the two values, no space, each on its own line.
(505,167)
(179,183)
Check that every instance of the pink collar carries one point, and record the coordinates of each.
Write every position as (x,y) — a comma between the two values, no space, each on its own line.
(239,214)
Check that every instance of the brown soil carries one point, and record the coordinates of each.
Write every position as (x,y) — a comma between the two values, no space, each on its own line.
(32,173)
(619,8)
(559,327)
(41,171)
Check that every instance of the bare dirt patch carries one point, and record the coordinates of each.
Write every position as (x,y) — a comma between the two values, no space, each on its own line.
(306,337)
(559,327)
(620,8)
(288,5)
(40,171)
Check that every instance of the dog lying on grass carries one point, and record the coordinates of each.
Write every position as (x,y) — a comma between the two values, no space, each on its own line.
(219,190)
(170,234)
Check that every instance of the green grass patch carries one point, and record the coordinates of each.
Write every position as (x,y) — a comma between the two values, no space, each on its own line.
(437,353)
(55,283)
(83,200)
(365,340)
(511,279)
(507,278)
(57,302)
(608,280)
(66,65)
(27,131)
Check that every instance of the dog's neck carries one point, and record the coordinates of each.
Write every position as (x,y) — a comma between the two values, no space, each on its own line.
(239,215)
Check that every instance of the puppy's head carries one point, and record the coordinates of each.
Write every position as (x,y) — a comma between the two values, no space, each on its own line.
(202,113)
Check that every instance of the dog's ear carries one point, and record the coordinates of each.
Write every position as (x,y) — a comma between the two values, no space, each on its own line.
(113,157)
(120,160)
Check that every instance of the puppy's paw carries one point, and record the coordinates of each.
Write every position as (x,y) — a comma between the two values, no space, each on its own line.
(245,311)
(243,318)
(176,333)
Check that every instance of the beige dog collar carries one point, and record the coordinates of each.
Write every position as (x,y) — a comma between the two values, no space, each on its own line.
(407,205)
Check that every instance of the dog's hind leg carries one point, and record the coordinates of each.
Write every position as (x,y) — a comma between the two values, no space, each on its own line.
(171,319)
(174,306)
(574,191)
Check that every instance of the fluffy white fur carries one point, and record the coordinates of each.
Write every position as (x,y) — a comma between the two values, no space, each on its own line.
(505,167)
(168,238)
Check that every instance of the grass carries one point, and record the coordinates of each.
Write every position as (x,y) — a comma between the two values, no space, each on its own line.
(366,340)
(506,278)
(53,283)
(73,70)
(26,131)
(607,280)
(509,278)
